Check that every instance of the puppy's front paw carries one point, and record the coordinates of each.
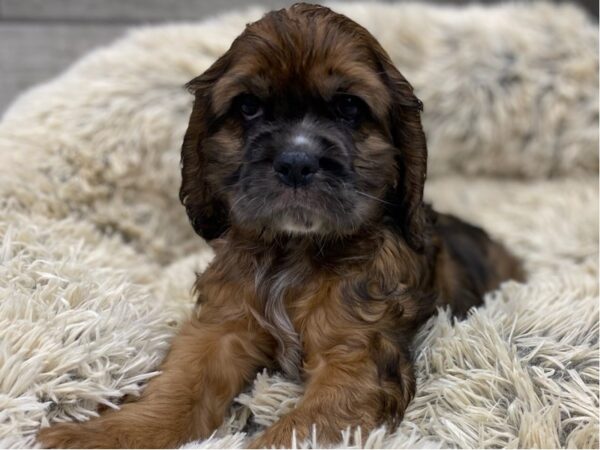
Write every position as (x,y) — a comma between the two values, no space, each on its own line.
(282,433)
(273,439)
(114,430)
(294,429)
(72,435)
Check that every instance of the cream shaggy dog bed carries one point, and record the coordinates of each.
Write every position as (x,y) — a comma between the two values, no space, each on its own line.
(97,258)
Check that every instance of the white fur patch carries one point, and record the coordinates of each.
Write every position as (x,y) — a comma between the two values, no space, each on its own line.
(297,228)
(301,139)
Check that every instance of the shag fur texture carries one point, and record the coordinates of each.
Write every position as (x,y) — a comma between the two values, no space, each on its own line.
(97,258)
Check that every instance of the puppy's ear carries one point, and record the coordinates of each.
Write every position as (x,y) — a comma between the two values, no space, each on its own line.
(208,214)
(408,211)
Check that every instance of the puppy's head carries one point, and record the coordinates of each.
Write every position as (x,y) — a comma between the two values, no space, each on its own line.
(304,127)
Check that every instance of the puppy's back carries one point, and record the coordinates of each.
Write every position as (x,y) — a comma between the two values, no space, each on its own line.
(469,263)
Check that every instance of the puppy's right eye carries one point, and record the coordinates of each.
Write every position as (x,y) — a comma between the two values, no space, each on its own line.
(348,108)
(250,106)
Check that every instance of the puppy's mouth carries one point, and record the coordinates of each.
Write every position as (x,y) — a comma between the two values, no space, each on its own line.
(296,211)
(284,210)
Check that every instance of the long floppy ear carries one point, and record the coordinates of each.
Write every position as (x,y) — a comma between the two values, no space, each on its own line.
(408,211)
(207,213)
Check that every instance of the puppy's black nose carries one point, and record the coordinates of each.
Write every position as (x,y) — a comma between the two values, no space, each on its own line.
(296,168)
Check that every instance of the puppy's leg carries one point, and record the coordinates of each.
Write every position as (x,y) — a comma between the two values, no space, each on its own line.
(346,388)
(208,364)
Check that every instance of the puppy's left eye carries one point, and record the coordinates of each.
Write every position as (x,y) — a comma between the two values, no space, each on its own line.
(250,107)
(348,107)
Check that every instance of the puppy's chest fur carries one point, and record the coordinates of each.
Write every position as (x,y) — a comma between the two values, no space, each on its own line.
(315,298)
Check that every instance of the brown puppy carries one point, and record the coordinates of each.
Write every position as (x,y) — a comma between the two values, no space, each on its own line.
(304,164)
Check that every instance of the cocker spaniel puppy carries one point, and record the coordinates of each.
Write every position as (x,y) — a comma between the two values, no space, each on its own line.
(304,164)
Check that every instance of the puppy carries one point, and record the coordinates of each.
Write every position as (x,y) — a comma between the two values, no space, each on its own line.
(303,164)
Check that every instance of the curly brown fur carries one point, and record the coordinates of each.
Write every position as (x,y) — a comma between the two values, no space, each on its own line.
(325,272)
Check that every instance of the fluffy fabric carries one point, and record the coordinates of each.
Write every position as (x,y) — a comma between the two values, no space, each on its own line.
(97,258)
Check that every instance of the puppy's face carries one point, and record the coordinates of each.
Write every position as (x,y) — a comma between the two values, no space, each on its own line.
(302,128)
(301,142)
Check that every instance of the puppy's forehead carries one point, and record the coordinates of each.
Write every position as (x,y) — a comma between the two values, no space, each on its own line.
(310,56)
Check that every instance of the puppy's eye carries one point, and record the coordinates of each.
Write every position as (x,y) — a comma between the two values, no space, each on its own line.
(348,107)
(250,107)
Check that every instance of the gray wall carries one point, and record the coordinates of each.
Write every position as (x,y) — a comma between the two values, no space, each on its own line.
(40,38)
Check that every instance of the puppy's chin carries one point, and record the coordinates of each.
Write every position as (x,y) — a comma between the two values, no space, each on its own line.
(295,226)
(292,222)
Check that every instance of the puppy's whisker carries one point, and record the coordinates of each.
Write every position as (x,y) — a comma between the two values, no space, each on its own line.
(258,160)
(243,197)
(364,194)
(223,189)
